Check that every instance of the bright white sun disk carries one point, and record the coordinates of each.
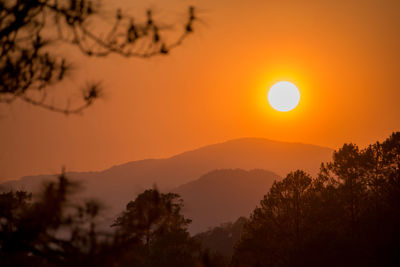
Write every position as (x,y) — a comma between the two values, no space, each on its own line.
(283,96)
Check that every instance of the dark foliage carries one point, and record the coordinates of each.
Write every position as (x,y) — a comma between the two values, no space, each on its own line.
(220,240)
(54,230)
(50,231)
(29,30)
(348,216)
(153,232)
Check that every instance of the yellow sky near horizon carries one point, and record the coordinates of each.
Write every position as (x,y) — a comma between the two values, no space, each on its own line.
(343,56)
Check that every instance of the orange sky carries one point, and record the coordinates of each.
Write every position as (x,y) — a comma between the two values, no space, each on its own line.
(343,55)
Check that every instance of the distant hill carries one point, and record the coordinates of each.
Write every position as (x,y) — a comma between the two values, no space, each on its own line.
(223,196)
(118,185)
(222,238)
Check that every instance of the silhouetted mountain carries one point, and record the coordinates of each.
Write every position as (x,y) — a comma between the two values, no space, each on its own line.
(223,196)
(118,185)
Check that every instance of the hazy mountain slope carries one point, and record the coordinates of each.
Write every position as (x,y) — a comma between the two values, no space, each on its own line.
(223,196)
(119,184)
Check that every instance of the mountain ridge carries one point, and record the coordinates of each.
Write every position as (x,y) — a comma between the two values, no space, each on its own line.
(169,157)
(119,184)
(208,146)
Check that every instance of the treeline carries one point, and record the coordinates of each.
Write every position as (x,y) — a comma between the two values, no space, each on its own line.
(349,215)
(55,230)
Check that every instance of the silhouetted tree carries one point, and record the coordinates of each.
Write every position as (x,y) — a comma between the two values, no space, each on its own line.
(28,29)
(275,230)
(151,214)
(50,231)
(349,166)
(347,216)
(55,230)
(153,231)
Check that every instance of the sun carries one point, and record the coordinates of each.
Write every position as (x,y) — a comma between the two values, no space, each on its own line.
(283,96)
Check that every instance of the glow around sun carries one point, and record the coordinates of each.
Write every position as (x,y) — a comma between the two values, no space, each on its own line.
(283,96)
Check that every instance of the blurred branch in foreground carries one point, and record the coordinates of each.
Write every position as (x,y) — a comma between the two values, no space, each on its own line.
(29,28)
